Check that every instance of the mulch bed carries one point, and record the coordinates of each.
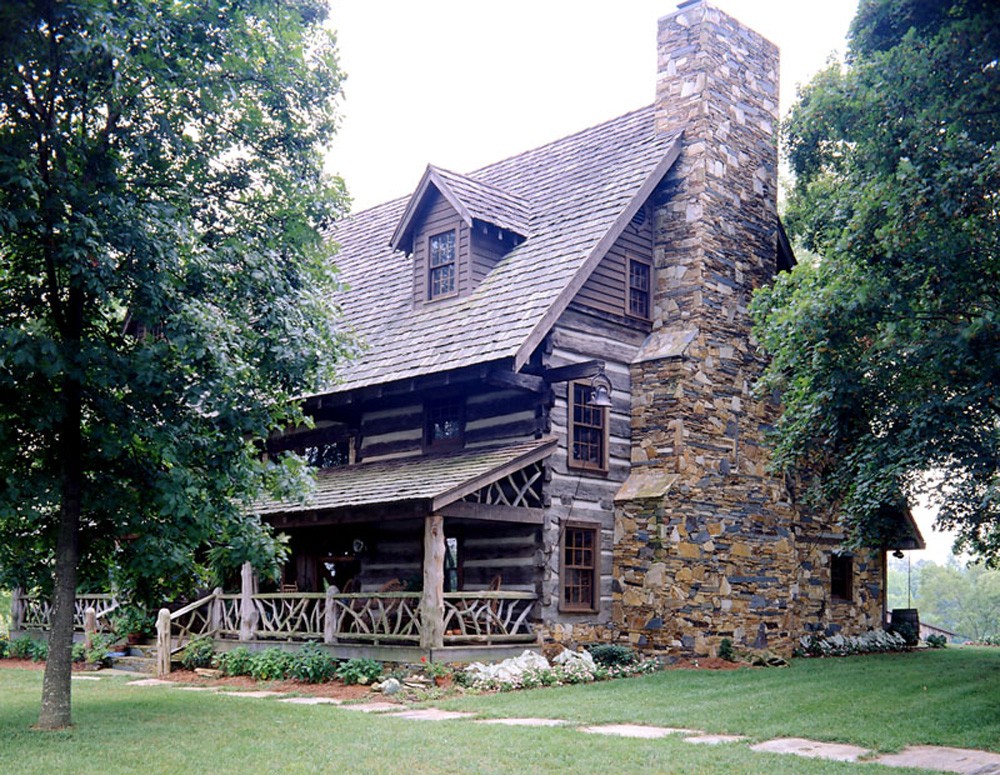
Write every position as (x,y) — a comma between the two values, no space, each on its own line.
(333,689)
(706,663)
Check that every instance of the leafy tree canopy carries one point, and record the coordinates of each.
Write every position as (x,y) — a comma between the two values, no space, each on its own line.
(163,283)
(887,349)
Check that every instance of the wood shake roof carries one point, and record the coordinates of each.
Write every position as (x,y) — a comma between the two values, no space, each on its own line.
(435,480)
(572,198)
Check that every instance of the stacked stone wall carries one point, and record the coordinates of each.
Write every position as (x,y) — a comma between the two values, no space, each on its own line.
(724,553)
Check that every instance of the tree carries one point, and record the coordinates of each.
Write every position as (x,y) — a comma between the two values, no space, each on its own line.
(887,349)
(163,284)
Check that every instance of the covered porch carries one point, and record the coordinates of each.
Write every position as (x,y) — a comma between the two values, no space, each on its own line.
(434,556)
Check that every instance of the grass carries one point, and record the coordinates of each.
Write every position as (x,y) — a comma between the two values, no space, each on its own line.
(878,702)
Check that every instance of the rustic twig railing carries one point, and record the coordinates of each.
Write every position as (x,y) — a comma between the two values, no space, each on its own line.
(487,617)
(34,612)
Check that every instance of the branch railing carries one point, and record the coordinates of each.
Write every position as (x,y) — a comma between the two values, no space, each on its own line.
(34,612)
(487,617)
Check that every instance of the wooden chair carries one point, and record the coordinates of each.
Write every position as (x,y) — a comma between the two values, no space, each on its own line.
(290,588)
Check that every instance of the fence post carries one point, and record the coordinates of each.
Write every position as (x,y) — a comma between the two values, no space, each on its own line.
(89,626)
(215,613)
(163,643)
(248,615)
(16,610)
(330,617)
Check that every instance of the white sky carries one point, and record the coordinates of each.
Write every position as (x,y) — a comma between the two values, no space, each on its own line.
(462,83)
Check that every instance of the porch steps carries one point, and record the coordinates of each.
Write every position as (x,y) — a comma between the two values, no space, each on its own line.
(137,659)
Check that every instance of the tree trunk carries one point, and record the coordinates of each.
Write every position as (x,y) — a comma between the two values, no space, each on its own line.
(55,712)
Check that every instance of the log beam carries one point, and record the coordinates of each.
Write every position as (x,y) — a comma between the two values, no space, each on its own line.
(432,598)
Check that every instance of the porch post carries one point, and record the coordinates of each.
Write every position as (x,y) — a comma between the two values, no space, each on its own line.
(248,615)
(16,610)
(432,599)
(163,642)
(215,613)
(330,617)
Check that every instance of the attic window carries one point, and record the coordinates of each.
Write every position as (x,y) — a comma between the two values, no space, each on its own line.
(639,273)
(441,267)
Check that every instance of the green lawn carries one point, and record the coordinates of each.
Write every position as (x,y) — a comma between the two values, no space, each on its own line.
(879,702)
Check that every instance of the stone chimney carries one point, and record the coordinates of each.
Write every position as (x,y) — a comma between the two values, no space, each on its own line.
(703,538)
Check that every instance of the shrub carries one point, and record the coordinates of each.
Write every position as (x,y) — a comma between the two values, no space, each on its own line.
(235,662)
(612,655)
(908,633)
(313,665)
(359,671)
(198,653)
(132,620)
(26,648)
(4,646)
(937,641)
(271,664)
(726,650)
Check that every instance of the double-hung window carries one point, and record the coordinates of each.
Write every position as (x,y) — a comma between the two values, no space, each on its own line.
(588,446)
(441,273)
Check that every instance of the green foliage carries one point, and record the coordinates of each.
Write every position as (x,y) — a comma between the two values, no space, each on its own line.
(906,631)
(164,286)
(312,664)
(886,351)
(199,652)
(937,641)
(132,620)
(97,654)
(963,599)
(5,602)
(239,661)
(271,664)
(612,655)
(726,650)
(27,647)
(4,646)
(359,671)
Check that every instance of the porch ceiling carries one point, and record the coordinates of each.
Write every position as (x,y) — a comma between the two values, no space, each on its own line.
(436,480)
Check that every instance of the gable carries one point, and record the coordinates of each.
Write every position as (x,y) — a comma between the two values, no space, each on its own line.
(583,190)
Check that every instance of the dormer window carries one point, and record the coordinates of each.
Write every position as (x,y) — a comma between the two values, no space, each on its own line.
(441,267)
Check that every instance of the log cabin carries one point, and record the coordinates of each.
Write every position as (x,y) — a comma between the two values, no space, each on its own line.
(551,432)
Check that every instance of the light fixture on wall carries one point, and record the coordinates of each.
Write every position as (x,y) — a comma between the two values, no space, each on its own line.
(600,390)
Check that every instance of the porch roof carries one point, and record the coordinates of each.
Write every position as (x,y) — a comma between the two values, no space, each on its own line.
(436,480)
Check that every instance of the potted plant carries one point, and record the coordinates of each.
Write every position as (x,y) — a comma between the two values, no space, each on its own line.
(440,673)
(132,623)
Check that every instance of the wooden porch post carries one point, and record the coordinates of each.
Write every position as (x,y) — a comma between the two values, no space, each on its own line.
(432,599)
(163,642)
(248,615)
(215,613)
(16,610)
(330,617)
(89,626)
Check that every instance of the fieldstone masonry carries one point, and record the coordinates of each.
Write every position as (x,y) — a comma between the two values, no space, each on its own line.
(707,543)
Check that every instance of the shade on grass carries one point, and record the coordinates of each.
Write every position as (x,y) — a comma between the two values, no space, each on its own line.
(123,729)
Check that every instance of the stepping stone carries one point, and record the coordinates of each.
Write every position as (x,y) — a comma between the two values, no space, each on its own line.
(637,730)
(199,689)
(150,682)
(312,701)
(934,757)
(85,678)
(813,749)
(714,739)
(431,714)
(523,722)
(373,707)
(256,695)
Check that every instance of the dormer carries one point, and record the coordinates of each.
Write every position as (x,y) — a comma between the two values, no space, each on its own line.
(457,229)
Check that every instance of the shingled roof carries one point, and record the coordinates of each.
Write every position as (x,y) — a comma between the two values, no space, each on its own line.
(579,193)
(435,480)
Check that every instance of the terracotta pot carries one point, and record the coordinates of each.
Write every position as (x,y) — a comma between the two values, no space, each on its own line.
(444,681)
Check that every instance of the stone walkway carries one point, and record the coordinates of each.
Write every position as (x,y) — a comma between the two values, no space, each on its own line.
(959,760)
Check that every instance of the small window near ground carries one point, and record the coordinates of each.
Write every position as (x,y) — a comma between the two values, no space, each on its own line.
(841,577)
(588,430)
(639,288)
(444,424)
(441,265)
(579,568)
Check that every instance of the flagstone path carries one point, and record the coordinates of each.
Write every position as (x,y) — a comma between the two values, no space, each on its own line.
(958,760)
